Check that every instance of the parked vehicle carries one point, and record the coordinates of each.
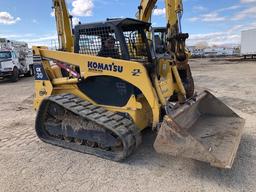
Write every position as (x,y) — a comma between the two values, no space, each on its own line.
(248,43)
(16,59)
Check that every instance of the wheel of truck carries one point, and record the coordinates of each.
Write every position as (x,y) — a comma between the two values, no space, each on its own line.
(15,75)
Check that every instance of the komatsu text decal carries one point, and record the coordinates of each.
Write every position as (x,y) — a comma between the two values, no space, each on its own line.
(100,67)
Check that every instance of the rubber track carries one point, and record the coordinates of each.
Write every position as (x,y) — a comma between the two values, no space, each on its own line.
(121,126)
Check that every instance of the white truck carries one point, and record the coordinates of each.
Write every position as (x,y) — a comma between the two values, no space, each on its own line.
(248,43)
(16,59)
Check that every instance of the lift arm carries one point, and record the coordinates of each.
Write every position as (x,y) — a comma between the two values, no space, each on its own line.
(145,10)
(175,38)
(64,28)
(174,10)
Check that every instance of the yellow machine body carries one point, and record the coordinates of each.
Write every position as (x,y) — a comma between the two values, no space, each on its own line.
(199,126)
(144,112)
(222,127)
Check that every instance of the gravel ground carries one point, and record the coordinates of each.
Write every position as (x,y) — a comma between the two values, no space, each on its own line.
(27,164)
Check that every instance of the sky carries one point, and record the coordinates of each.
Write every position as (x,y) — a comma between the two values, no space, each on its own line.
(212,22)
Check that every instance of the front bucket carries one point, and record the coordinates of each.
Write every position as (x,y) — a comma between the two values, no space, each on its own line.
(205,129)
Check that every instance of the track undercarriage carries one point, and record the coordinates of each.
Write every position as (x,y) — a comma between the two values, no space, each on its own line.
(69,122)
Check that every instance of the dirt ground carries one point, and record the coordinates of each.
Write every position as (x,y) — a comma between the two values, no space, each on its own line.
(27,164)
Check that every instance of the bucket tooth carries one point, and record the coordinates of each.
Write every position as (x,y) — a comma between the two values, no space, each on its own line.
(205,130)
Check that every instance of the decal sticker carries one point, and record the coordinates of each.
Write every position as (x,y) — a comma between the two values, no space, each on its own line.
(39,72)
(42,92)
(136,72)
(100,67)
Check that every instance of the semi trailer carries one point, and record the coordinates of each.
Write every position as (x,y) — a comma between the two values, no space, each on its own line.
(248,43)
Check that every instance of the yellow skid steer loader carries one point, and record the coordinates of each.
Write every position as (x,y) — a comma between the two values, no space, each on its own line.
(101,90)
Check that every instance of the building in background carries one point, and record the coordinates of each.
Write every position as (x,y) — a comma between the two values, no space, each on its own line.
(215,51)
(196,51)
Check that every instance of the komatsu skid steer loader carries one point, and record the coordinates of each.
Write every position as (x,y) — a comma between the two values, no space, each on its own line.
(99,98)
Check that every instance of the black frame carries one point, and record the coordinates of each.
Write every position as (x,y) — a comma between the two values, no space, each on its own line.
(118,26)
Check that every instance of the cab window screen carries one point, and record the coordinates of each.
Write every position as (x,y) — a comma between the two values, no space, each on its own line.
(99,41)
(136,45)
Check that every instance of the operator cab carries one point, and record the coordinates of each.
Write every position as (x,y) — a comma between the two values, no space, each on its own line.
(116,38)
(119,39)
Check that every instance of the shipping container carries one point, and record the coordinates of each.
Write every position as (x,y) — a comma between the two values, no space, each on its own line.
(248,43)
